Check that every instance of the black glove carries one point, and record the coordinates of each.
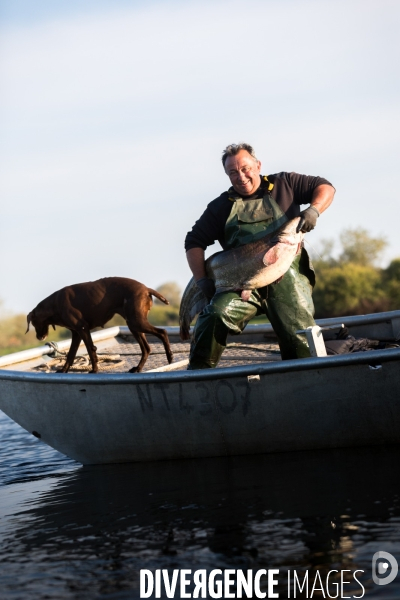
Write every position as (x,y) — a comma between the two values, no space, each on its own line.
(207,286)
(308,219)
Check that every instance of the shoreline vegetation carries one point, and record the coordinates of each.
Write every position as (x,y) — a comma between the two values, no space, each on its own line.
(348,283)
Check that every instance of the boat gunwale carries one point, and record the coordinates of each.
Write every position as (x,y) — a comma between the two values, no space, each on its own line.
(371,358)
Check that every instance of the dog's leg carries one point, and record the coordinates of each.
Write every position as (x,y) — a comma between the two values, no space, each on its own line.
(145,348)
(136,310)
(163,336)
(73,349)
(91,348)
(144,326)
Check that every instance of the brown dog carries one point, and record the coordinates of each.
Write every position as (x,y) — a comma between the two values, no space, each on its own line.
(83,306)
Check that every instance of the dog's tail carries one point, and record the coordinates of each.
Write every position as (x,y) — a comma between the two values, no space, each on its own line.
(158,295)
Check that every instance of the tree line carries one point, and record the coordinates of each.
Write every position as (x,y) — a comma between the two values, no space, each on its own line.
(352,283)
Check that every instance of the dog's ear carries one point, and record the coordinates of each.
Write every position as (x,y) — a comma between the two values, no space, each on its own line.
(29,319)
(53,326)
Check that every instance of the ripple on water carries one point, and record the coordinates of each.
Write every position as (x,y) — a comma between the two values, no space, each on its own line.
(72,532)
(23,457)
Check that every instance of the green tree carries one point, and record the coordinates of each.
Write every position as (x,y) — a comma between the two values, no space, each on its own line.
(393,270)
(391,284)
(171,291)
(13,337)
(351,284)
(166,314)
(348,289)
(324,254)
(359,247)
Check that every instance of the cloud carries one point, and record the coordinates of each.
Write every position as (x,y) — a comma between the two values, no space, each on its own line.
(268,48)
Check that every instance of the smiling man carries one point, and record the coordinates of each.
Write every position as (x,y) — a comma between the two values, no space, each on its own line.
(252,207)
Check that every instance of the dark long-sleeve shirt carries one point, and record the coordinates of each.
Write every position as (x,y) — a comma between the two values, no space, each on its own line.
(289,192)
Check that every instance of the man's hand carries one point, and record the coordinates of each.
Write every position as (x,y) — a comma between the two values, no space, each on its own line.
(321,199)
(195,258)
(207,286)
(308,219)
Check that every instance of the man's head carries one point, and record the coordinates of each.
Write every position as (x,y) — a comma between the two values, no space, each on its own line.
(242,167)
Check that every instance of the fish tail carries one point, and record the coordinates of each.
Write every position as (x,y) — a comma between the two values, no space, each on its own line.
(192,303)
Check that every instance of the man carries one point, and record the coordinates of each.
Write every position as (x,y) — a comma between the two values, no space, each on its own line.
(254,206)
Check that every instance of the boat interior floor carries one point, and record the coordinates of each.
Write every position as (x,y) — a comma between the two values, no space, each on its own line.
(119,355)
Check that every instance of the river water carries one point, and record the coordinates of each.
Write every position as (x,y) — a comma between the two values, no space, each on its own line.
(74,532)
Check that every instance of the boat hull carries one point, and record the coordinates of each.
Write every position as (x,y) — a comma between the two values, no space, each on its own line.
(349,400)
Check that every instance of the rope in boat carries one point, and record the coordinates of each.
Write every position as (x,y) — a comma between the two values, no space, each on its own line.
(108,361)
(81,363)
(58,353)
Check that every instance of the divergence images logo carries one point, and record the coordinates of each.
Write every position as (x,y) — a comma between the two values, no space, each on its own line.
(380,563)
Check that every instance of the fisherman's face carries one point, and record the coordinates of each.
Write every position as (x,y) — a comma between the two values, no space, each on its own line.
(244,172)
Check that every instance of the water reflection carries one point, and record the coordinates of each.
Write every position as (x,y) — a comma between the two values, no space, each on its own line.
(88,534)
(23,457)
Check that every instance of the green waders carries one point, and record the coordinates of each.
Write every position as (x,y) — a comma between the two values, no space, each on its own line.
(288,304)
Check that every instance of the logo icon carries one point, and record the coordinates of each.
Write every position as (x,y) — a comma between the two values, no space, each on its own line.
(381,561)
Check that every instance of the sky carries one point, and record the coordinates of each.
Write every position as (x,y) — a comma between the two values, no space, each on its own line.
(114,115)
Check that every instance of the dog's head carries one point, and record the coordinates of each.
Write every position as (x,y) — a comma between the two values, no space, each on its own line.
(40,323)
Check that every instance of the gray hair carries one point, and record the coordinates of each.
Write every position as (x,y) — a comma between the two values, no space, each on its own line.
(233,149)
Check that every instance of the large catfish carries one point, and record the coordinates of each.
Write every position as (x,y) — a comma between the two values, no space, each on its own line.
(243,269)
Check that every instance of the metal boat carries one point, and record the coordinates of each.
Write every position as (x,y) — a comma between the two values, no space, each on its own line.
(254,403)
